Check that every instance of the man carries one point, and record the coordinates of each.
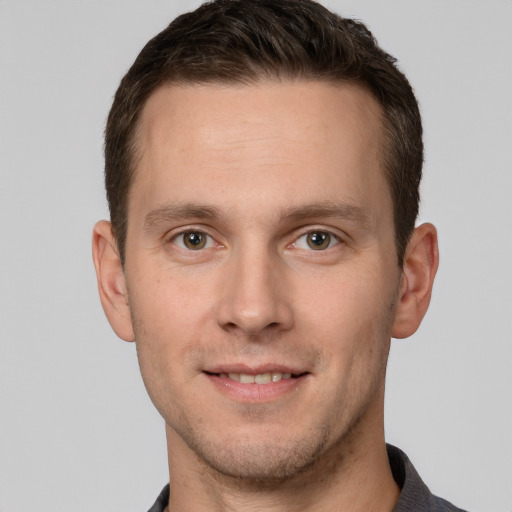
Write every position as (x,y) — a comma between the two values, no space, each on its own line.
(263,161)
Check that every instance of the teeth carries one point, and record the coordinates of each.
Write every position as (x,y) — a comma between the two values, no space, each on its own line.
(246,379)
(264,378)
(261,378)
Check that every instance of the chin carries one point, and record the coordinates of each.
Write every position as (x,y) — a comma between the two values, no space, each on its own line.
(259,461)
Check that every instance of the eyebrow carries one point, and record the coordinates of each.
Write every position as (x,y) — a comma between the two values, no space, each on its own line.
(327,209)
(179,211)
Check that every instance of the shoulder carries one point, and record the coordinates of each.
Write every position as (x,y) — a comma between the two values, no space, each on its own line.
(415,495)
(162,501)
(440,505)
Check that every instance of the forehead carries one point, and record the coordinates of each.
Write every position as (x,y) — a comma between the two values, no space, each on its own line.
(305,138)
(219,114)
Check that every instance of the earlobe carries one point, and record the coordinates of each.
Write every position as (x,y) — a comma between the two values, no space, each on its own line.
(421,260)
(111,280)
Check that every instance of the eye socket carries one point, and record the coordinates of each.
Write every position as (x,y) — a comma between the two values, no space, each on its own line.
(317,241)
(193,240)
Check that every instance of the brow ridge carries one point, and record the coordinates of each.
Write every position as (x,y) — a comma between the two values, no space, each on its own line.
(178,211)
(328,209)
(332,209)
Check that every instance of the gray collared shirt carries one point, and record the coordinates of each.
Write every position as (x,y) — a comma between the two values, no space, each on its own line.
(415,495)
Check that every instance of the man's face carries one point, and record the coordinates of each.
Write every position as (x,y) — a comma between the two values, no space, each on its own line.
(260,248)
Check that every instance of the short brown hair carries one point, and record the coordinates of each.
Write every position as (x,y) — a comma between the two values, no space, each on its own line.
(243,42)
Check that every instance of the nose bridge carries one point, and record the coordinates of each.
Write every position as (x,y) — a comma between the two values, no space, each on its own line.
(254,297)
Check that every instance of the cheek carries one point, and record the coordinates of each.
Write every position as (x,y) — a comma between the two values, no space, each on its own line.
(162,342)
(351,321)
(170,303)
(169,319)
(348,300)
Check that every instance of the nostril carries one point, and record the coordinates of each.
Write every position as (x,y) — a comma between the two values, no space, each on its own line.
(230,327)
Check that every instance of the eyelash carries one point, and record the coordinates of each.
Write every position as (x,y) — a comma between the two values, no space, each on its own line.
(210,242)
(333,240)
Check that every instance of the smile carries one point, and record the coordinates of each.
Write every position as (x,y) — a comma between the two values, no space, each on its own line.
(260,378)
(256,385)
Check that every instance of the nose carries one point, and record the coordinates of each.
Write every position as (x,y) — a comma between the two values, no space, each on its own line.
(255,297)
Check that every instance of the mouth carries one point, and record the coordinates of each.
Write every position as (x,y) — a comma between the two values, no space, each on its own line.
(256,378)
(257,384)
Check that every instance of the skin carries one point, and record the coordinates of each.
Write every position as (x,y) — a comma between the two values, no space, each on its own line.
(256,170)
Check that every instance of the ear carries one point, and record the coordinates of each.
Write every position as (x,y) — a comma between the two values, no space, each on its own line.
(111,280)
(421,260)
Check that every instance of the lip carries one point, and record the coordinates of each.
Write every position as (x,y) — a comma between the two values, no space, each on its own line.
(253,392)
(254,370)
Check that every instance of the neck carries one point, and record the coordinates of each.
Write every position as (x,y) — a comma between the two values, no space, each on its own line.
(352,475)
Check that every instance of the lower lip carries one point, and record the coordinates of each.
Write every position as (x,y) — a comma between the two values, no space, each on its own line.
(257,393)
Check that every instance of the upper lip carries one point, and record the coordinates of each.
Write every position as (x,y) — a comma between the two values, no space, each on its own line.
(255,370)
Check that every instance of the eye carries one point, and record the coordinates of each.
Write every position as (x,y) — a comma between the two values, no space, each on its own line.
(316,240)
(193,240)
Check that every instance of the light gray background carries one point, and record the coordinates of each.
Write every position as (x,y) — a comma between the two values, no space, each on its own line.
(77,432)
